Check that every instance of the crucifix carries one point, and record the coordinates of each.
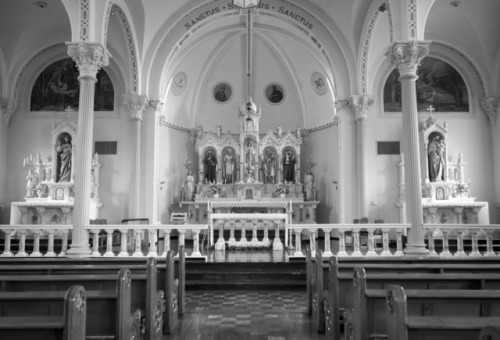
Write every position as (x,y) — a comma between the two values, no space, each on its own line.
(431,109)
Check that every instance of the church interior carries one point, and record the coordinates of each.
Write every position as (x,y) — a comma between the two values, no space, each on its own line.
(254,169)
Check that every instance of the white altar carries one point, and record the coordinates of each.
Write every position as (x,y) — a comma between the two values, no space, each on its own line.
(50,185)
(445,190)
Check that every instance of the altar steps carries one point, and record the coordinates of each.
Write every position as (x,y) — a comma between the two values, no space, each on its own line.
(246,276)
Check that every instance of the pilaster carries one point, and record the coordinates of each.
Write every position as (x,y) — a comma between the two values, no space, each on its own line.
(89,59)
(406,57)
(136,105)
(360,105)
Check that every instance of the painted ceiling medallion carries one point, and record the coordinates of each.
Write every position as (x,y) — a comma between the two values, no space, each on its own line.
(318,83)
(275,93)
(222,92)
(179,83)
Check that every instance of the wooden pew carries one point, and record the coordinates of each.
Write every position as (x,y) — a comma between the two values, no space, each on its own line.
(70,326)
(171,315)
(145,296)
(401,326)
(365,321)
(108,312)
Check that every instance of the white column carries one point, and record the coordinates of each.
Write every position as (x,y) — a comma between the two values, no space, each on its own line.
(136,105)
(360,105)
(401,196)
(7,110)
(406,57)
(89,58)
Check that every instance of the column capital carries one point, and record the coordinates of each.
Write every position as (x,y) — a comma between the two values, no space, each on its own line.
(136,104)
(360,104)
(89,57)
(406,56)
(8,107)
(490,107)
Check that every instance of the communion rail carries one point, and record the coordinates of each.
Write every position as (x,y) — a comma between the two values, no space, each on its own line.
(366,240)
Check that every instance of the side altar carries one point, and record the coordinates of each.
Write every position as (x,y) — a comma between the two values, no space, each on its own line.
(446,190)
(50,185)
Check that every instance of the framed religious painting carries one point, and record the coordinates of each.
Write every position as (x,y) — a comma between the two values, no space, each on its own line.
(222,92)
(274,93)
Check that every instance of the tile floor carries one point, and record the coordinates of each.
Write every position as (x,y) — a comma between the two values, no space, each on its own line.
(245,315)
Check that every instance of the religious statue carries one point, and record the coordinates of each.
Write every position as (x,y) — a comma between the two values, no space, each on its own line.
(64,151)
(270,167)
(309,185)
(210,163)
(280,131)
(289,167)
(189,189)
(200,131)
(31,182)
(436,154)
(250,155)
(229,166)
(218,130)
(297,132)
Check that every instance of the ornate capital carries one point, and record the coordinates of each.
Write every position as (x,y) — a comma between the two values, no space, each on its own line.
(490,106)
(360,104)
(136,104)
(89,57)
(7,109)
(406,56)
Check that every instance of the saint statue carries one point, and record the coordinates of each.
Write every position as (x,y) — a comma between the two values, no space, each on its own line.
(189,189)
(250,155)
(64,150)
(31,182)
(229,166)
(309,185)
(270,167)
(289,167)
(210,163)
(436,155)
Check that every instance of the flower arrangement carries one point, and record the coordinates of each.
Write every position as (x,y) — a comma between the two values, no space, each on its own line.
(41,190)
(215,188)
(282,189)
(462,189)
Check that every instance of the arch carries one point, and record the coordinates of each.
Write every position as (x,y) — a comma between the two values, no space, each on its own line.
(3,76)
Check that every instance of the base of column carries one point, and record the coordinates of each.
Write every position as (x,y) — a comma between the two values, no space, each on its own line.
(79,250)
(419,249)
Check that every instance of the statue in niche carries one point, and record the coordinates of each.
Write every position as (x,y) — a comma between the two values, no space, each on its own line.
(250,155)
(436,157)
(210,163)
(270,167)
(229,161)
(64,150)
(289,167)
(32,181)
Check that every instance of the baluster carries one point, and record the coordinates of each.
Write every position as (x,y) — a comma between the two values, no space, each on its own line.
(7,243)
(196,243)
(36,244)
(254,240)
(221,244)
(232,239)
(182,241)
(312,240)
(371,244)
(166,240)
(430,237)
(489,243)
(399,243)
(355,235)
(243,238)
(446,246)
(50,247)
(277,244)
(298,245)
(475,246)
(137,243)
(153,233)
(328,249)
(123,243)
(64,246)
(460,244)
(265,239)
(109,243)
(385,242)
(22,244)
(342,251)
(95,242)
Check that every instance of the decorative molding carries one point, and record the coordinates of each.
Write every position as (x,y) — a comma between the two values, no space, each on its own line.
(132,56)
(365,50)
(7,109)
(84,19)
(412,19)
(490,107)
(406,56)
(136,104)
(106,22)
(89,57)
(360,104)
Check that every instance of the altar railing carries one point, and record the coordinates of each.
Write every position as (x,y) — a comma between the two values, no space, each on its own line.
(480,236)
(120,240)
(351,234)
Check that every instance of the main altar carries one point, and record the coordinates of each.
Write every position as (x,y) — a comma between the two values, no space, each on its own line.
(249,181)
